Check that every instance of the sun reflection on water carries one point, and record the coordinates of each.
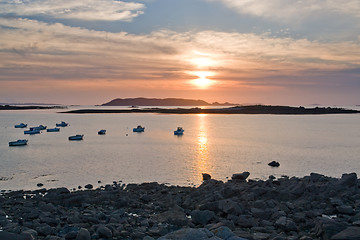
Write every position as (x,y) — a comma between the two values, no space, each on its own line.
(202,161)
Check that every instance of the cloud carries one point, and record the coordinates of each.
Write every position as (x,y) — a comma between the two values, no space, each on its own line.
(293,9)
(87,10)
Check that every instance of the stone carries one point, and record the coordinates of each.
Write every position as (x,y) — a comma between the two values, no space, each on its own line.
(345,209)
(30,234)
(188,234)
(206,176)
(83,234)
(274,164)
(89,186)
(229,206)
(325,228)
(44,230)
(11,236)
(202,217)
(348,180)
(350,233)
(104,232)
(223,232)
(240,176)
(286,224)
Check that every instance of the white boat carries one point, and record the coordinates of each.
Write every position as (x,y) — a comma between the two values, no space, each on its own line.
(21,125)
(62,124)
(76,137)
(18,142)
(179,131)
(139,129)
(32,130)
(53,130)
(102,132)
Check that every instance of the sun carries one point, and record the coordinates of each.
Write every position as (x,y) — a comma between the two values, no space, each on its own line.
(202,81)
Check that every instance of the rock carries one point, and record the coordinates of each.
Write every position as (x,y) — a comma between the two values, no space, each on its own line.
(206,176)
(104,232)
(345,209)
(315,177)
(286,224)
(223,232)
(350,233)
(188,234)
(89,186)
(274,164)
(30,234)
(44,230)
(83,234)
(325,228)
(240,176)
(348,180)
(229,206)
(11,236)
(202,217)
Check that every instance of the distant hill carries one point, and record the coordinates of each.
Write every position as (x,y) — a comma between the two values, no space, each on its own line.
(161,102)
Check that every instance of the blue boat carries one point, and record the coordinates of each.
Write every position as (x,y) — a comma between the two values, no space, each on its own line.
(179,131)
(21,125)
(139,129)
(62,124)
(76,137)
(19,142)
(53,130)
(32,130)
(102,132)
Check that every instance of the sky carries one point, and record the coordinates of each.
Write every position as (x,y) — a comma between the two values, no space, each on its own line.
(280,52)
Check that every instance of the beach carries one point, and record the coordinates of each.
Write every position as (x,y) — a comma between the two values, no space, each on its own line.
(311,207)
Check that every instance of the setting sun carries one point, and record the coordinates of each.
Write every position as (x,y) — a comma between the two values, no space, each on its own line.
(202,81)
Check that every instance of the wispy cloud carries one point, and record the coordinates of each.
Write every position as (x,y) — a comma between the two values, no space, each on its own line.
(104,10)
(293,9)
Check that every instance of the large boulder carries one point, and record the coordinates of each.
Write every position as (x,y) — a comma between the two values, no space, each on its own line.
(189,234)
(350,233)
(202,217)
(349,180)
(240,176)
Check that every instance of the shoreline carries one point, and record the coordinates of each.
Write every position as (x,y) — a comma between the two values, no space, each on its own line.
(251,109)
(311,207)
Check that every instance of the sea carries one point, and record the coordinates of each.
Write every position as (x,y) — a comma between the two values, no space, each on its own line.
(217,144)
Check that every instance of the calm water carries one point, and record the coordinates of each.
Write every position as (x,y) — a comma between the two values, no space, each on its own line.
(217,144)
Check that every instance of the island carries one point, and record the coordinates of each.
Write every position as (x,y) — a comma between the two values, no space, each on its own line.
(16,107)
(162,102)
(251,109)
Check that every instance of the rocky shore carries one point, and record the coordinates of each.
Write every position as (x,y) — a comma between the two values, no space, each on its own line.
(312,207)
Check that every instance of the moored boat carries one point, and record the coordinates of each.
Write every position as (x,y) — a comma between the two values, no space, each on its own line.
(21,125)
(76,137)
(102,132)
(139,129)
(53,130)
(41,127)
(62,124)
(19,142)
(179,131)
(32,130)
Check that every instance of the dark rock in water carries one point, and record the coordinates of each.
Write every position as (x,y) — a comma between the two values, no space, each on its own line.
(274,164)
(39,184)
(83,234)
(350,233)
(240,176)
(89,186)
(206,176)
(202,217)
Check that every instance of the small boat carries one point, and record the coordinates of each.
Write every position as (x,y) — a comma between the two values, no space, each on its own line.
(53,130)
(62,124)
(76,137)
(41,127)
(21,125)
(139,129)
(179,131)
(102,132)
(18,142)
(32,130)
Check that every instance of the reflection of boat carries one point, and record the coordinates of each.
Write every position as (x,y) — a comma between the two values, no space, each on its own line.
(32,130)
(76,137)
(21,125)
(179,131)
(62,124)
(139,129)
(53,130)
(102,132)
(18,142)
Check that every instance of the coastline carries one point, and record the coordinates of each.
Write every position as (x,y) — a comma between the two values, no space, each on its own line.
(311,207)
(251,109)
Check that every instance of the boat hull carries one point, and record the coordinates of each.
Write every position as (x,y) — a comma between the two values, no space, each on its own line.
(18,143)
(53,130)
(76,138)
